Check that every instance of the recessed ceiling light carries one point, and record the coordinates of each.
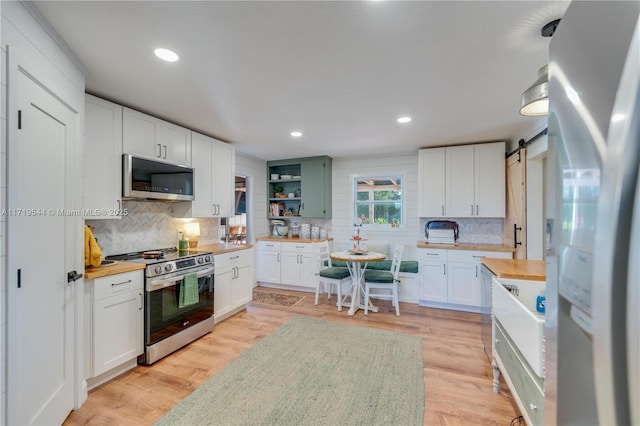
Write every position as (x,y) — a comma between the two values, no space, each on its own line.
(166,55)
(296,134)
(404,119)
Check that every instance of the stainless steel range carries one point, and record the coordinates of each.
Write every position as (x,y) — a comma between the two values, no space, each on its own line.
(173,319)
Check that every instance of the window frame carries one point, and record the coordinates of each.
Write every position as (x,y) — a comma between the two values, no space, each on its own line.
(355,202)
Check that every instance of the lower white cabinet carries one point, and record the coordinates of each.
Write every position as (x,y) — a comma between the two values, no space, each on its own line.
(117,319)
(451,278)
(233,282)
(288,263)
(299,264)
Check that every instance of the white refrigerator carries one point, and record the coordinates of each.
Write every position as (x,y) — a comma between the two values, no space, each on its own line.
(592,352)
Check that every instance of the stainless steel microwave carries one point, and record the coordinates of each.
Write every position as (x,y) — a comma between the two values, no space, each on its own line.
(143,178)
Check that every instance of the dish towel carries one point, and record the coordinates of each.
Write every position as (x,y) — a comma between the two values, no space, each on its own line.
(92,252)
(189,290)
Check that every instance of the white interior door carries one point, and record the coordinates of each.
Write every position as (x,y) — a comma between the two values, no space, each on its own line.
(41,339)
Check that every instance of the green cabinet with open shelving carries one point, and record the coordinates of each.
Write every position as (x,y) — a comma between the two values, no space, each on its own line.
(307,180)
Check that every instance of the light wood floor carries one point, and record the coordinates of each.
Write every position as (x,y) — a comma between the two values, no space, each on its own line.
(457,374)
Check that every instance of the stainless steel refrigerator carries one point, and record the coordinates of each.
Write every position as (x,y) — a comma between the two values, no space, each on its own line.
(592,352)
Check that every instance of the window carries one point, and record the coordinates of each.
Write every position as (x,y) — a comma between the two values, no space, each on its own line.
(378,200)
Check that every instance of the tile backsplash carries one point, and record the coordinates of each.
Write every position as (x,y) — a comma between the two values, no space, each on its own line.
(487,231)
(148,225)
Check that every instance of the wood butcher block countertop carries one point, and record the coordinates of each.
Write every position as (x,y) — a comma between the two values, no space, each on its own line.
(291,240)
(519,269)
(223,248)
(120,267)
(93,272)
(467,246)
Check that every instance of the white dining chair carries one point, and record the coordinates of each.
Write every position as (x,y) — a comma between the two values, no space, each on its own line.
(329,275)
(385,281)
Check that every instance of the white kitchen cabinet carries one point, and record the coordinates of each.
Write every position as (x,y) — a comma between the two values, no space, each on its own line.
(431,184)
(490,180)
(299,264)
(287,263)
(451,279)
(463,283)
(153,138)
(433,273)
(233,283)
(103,159)
(460,196)
(269,258)
(214,165)
(462,181)
(117,315)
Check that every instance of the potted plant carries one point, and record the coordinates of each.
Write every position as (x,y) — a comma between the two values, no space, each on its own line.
(277,190)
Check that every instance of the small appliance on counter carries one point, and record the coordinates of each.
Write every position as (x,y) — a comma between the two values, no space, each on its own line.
(280,228)
(441,232)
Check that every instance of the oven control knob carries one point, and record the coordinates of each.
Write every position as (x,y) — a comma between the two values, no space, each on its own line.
(200,260)
(208,258)
(158,269)
(168,267)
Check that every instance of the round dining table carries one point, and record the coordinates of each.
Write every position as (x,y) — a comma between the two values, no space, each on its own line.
(357,264)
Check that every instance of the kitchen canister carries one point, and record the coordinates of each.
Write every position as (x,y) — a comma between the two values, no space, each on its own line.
(315,232)
(305,230)
(323,234)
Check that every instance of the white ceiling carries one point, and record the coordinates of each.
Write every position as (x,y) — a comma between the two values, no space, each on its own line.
(340,72)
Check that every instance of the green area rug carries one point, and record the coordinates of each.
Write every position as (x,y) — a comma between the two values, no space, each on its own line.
(317,372)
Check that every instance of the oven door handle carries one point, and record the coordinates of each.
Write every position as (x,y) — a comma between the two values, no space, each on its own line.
(158,283)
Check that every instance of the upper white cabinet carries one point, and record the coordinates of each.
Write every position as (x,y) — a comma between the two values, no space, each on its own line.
(214,165)
(103,158)
(462,181)
(490,180)
(431,185)
(153,138)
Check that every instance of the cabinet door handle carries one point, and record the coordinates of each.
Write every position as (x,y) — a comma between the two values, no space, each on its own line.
(159,150)
(123,282)
(444,269)
(119,203)
(278,258)
(443,210)
(471,209)
(476,271)
(165,152)
(533,407)
(141,303)
(477,210)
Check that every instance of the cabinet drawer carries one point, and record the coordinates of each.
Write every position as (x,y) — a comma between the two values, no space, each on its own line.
(432,254)
(270,246)
(298,247)
(476,255)
(234,258)
(528,389)
(116,284)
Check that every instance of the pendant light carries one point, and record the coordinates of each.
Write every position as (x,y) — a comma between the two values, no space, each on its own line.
(535,100)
